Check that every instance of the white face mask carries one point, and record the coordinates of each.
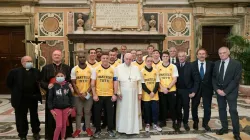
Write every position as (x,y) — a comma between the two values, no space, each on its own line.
(28,65)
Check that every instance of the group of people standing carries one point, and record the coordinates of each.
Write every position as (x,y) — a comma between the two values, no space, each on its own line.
(126,89)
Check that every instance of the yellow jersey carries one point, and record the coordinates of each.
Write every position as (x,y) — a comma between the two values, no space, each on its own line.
(82,77)
(156,65)
(94,65)
(115,64)
(166,74)
(105,78)
(150,79)
(139,65)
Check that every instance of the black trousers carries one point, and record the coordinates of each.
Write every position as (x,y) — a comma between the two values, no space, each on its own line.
(183,101)
(232,103)
(151,111)
(167,102)
(21,117)
(108,104)
(207,101)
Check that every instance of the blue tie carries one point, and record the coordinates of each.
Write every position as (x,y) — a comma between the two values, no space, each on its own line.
(202,71)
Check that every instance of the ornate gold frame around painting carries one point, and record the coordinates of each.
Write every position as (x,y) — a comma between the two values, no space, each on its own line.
(93,11)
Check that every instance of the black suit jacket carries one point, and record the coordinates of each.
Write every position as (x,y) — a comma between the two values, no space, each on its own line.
(232,78)
(206,87)
(119,57)
(191,78)
(15,83)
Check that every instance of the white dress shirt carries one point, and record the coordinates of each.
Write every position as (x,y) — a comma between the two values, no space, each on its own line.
(204,66)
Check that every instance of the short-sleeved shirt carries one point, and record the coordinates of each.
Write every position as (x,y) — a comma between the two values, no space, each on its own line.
(105,78)
(82,77)
(150,79)
(94,65)
(139,65)
(166,74)
(156,65)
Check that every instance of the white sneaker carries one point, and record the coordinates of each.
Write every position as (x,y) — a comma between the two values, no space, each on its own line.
(147,128)
(156,127)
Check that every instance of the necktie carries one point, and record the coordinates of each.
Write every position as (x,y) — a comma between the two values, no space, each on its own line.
(173,61)
(221,74)
(202,71)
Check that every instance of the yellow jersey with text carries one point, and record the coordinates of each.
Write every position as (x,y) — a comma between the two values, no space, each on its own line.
(94,65)
(83,78)
(156,65)
(150,79)
(166,76)
(105,78)
(139,65)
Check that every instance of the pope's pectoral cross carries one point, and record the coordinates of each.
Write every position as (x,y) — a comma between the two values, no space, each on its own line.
(36,43)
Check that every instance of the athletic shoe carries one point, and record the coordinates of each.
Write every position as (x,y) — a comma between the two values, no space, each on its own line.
(89,132)
(147,128)
(76,133)
(156,127)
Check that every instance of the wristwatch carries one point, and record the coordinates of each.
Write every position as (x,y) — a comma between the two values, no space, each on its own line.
(116,94)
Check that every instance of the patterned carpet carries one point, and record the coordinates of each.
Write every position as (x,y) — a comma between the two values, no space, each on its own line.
(8,129)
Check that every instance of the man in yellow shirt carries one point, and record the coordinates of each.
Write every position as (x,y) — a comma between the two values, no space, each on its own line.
(168,74)
(112,59)
(150,50)
(92,58)
(98,54)
(139,61)
(150,85)
(80,77)
(156,58)
(104,88)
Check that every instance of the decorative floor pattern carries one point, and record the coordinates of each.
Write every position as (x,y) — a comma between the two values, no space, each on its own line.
(8,129)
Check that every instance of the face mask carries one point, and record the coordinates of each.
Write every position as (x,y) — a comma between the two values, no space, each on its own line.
(60,79)
(28,65)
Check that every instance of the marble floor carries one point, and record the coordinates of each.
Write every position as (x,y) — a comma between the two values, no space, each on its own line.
(8,129)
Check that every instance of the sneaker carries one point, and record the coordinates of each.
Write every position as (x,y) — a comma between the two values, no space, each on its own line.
(89,132)
(156,127)
(147,128)
(111,133)
(76,133)
(23,138)
(97,134)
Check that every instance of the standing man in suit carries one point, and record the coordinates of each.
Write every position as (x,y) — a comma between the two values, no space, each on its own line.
(173,55)
(25,94)
(205,91)
(123,52)
(187,87)
(226,78)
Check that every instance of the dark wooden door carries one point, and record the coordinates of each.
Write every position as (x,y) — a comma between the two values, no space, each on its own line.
(11,51)
(214,37)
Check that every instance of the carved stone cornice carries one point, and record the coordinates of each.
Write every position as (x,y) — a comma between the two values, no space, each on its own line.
(18,2)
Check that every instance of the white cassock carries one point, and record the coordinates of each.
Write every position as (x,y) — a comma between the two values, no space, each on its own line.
(128,113)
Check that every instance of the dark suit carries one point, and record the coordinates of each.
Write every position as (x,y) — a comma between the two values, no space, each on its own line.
(176,60)
(187,83)
(205,91)
(119,57)
(22,102)
(230,86)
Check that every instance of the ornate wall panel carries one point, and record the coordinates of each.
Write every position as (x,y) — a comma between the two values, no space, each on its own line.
(180,45)
(51,24)
(179,24)
(47,49)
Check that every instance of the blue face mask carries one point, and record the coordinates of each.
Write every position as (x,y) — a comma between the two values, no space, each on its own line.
(28,65)
(60,79)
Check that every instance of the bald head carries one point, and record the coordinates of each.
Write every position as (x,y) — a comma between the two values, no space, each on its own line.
(224,52)
(128,58)
(57,56)
(26,59)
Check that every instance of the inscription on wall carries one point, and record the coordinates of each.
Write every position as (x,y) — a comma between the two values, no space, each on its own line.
(124,15)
